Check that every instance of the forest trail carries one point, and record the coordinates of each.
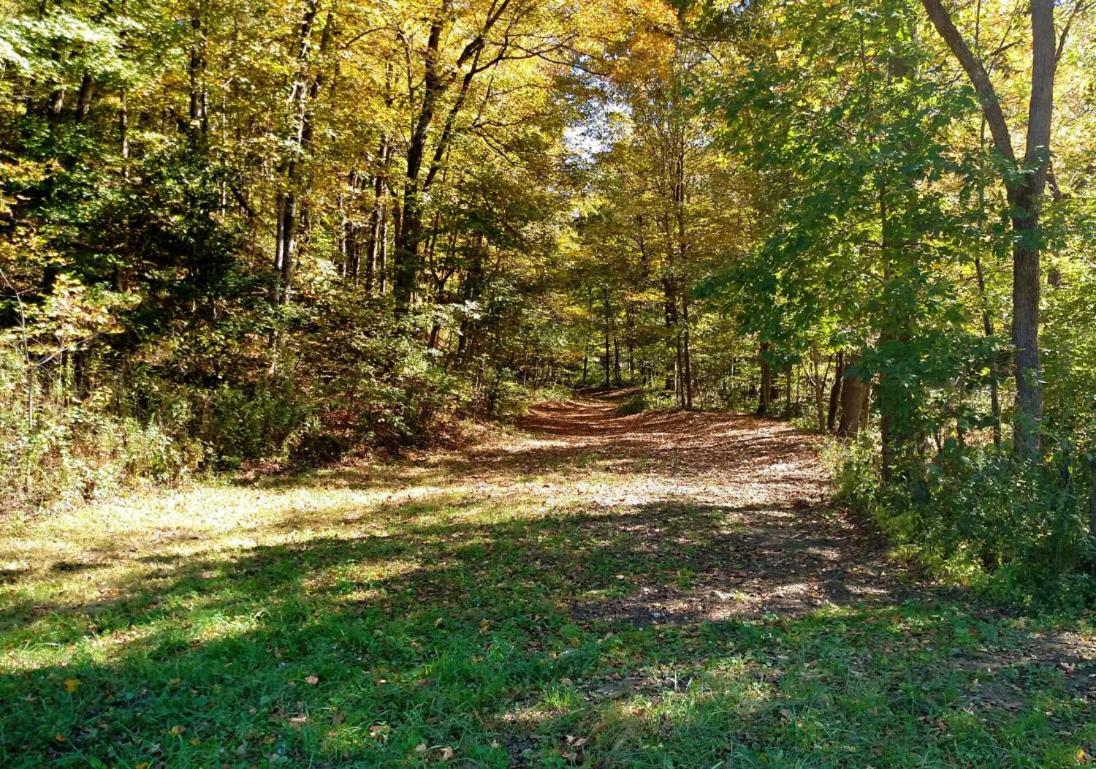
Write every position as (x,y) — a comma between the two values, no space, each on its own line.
(751,490)
(583,589)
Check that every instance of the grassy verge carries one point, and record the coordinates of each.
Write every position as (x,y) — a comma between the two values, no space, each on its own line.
(405,622)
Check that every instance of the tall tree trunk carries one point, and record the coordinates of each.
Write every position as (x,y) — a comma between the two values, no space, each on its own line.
(670,318)
(198,109)
(376,216)
(608,360)
(83,98)
(1026,203)
(409,235)
(852,400)
(788,392)
(686,353)
(123,132)
(817,380)
(436,81)
(983,299)
(305,91)
(987,330)
(285,245)
(1092,503)
(1025,186)
(679,198)
(1025,323)
(616,360)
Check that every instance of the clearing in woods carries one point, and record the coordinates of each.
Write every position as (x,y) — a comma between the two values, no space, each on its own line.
(656,590)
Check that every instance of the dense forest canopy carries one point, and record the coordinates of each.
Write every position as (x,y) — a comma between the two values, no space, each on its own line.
(280,230)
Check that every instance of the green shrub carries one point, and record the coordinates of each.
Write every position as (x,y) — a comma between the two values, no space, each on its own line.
(241,424)
(977,516)
(635,404)
(53,450)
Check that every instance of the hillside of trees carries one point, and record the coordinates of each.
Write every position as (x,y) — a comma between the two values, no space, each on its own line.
(272,233)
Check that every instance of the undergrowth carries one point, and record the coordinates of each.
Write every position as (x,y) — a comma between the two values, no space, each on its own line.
(977,517)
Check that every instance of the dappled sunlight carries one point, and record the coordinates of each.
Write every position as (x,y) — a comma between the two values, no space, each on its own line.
(521,603)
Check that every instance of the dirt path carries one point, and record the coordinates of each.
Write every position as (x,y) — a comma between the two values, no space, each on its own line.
(743,504)
(585,590)
(754,488)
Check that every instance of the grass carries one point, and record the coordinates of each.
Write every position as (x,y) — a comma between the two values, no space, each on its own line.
(402,618)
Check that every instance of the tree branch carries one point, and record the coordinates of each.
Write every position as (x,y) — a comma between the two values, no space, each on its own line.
(972,65)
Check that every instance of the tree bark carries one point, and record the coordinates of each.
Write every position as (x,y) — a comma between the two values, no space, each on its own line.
(764,401)
(198,112)
(686,354)
(852,401)
(788,394)
(1092,504)
(84,97)
(436,81)
(835,392)
(1024,187)
(608,360)
(285,245)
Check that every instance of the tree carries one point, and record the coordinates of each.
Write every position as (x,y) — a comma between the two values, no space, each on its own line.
(1025,183)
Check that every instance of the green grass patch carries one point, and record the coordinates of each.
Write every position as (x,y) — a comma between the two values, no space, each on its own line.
(333,625)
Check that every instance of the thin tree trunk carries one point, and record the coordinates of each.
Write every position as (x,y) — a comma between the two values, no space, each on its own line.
(670,316)
(818,388)
(1092,503)
(285,246)
(788,392)
(616,360)
(687,355)
(607,359)
(987,320)
(83,98)
(764,401)
(835,391)
(198,112)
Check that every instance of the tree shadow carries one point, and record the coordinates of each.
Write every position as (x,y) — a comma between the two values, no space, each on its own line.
(635,630)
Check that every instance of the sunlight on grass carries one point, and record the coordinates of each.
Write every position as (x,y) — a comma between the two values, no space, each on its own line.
(500,619)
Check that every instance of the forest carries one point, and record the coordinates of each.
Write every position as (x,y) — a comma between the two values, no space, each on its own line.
(605,383)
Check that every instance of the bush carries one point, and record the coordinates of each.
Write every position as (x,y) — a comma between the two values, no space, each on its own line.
(241,424)
(636,404)
(53,450)
(977,516)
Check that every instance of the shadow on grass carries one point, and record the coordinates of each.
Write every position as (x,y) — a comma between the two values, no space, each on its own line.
(670,635)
